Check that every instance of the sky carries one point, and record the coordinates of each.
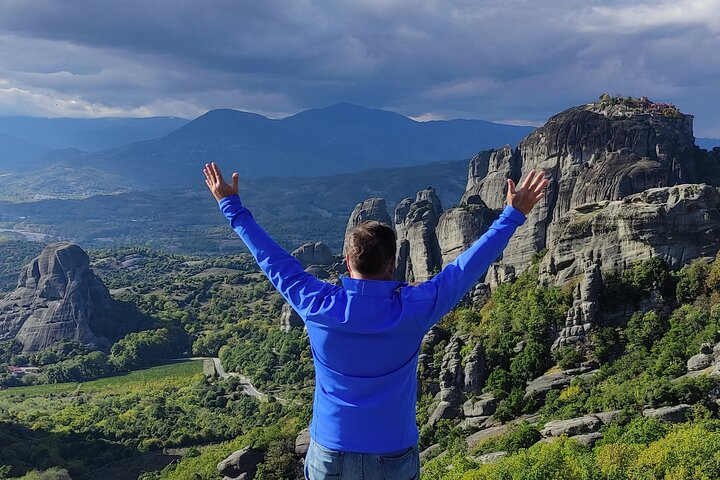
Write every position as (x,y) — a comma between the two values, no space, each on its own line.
(511,61)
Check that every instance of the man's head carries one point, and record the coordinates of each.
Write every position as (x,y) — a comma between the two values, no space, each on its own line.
(371,251)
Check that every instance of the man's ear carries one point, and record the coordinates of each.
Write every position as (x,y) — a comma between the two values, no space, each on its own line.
(347,264)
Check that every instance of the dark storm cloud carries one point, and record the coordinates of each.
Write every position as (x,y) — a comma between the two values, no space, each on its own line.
(501,60)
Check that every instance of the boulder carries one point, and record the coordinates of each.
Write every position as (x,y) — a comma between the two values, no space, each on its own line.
(477,438)
(484,406)
(673,414)
(701,361)
(242,462)
(541,385)
(444,409)
(302,443)
(608,417)
(313,254)
(588,439)
(572,427)
(431,452)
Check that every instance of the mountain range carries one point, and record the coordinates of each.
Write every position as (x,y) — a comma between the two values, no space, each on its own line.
(338,139)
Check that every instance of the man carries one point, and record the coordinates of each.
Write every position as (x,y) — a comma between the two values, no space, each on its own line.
(365,335)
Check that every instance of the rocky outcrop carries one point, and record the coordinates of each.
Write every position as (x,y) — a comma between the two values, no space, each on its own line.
(676,224)
(371,209)
(313,254)
(587,439)
(427,372)
(289,319)
(541,385)
(58,297)
(242,463)
(419,255)
(582,316)
(452,379)
(457,381)
(488,175)
(591,158)
(571,427)
(458,228)
(673,414)
(302,443)
(477,412)
(475,372)
(591,155)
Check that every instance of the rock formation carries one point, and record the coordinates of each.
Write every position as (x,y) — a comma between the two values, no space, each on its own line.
(242,464)
(370,209)
(592,155)
(488,183)
(458,228)
(419,254)
(313,254)
(582,316)
(58,297)
(676,224)
(289,319)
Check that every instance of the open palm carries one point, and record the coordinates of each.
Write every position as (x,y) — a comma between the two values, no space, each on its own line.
(529,193)
(217,184)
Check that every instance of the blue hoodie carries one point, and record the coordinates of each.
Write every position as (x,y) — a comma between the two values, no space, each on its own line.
(365,335)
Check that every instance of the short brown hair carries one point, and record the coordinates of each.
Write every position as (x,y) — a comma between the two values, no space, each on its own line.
(371,247)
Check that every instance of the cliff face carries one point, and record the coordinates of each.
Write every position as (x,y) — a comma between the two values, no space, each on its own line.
(58,297)
(418,249)
(676,224)
(594,157)
(589,157)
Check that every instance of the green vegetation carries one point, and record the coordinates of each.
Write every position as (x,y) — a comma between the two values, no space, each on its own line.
(643,450)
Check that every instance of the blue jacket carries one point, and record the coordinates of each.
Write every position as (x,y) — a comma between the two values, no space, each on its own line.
(365,336)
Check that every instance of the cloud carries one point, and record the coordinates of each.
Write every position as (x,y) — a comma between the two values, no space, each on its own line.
(511,59)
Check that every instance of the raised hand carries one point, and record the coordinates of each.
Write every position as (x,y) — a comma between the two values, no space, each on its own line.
(217,184)
(529,193)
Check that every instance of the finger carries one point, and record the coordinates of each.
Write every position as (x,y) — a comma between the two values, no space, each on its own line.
(541,186)
(528,179)
(511,186)
(539,177)
(235,178)
(216,171)
(209,172)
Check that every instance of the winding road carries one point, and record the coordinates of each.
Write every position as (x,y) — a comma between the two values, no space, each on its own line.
(219,371)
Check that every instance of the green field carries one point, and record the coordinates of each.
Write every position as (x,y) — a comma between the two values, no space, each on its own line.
(177,374)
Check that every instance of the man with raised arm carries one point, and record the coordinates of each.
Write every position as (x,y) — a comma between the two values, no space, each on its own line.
(365,335)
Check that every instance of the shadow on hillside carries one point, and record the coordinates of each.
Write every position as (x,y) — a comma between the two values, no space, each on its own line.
(24,449)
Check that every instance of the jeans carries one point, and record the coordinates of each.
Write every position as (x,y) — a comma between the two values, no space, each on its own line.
(322,463)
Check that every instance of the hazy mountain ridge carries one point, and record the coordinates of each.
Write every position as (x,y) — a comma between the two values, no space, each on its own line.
(338,139)
(88,134)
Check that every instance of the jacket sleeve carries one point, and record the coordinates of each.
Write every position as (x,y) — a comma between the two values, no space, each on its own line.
(454,281)
(305,293)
